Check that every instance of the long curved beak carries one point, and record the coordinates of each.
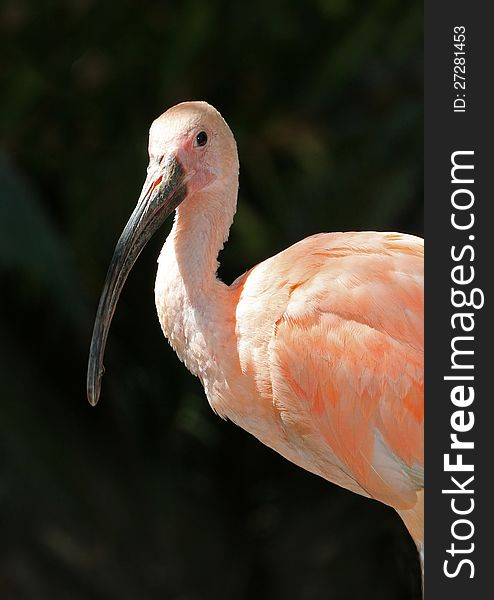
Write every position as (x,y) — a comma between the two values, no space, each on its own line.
(165,187)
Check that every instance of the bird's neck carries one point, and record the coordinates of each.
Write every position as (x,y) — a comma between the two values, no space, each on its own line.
(201,227)
(192,303)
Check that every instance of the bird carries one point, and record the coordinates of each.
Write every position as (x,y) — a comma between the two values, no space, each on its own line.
(316,351)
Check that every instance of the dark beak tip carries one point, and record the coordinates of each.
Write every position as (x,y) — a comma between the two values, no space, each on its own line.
(93,392)
(93,400)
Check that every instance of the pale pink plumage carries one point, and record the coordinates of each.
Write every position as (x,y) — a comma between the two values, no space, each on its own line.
(317,351)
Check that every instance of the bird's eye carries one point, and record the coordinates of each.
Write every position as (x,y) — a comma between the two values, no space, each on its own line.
(201,139)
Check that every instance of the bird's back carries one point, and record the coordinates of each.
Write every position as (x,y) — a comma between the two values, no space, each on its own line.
(331,332)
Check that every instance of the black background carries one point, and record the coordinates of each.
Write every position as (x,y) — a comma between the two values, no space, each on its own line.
(150,495)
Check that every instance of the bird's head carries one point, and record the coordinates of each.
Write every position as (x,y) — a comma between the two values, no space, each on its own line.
(194,137)
(191,148)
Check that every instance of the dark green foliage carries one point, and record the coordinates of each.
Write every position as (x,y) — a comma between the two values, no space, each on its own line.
(150,495)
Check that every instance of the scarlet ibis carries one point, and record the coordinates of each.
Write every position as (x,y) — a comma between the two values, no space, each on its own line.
(317,351)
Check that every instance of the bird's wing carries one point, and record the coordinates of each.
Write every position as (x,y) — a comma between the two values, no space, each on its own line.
(345,354)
